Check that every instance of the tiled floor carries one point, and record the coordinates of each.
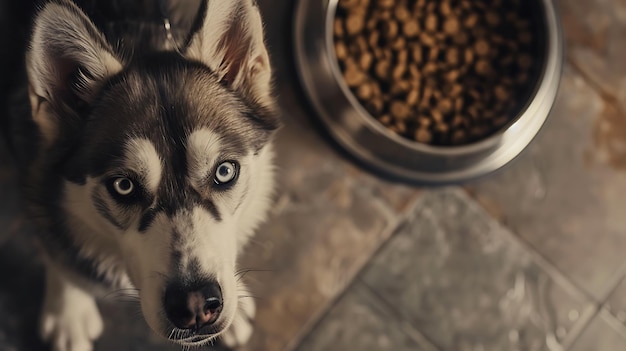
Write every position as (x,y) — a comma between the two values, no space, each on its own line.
(530,258)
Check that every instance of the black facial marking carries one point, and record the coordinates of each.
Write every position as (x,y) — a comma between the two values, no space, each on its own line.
(175,244)
(177,256)
(210,207)
(104,211)
(147,219)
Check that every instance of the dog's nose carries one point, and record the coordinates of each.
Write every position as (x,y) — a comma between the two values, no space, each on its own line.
(193,306)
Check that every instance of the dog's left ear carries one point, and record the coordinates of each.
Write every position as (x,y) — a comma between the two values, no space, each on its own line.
(68,57)
(229,39)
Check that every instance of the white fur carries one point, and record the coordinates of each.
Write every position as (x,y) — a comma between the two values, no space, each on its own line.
(147,257)
(204,45)
(203,148)
(96,237)
(214,244)
(142,158)
(260,175)
(241,329)
(70,320)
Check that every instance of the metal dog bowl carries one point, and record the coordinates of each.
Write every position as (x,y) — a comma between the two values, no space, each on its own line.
(370,142)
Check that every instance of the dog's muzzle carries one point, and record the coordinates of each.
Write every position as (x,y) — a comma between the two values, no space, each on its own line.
(193,306)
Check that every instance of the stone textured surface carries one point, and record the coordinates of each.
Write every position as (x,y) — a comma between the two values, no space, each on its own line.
(563,195)
(616,303)
(327,222)
(602,334)
(467,284)
(360,321)
(595,31)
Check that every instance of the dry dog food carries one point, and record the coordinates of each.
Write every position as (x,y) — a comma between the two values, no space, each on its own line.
(441,72)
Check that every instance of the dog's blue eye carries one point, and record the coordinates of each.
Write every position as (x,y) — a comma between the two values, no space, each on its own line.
(225,172)
(123,186)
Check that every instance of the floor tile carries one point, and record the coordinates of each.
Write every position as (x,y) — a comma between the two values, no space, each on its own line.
(126,330)
(603,334)
(360,322)
(564,194)
(468,284)
(325,226)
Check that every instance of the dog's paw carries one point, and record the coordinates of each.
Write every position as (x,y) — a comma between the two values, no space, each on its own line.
(241,330)
(70,321)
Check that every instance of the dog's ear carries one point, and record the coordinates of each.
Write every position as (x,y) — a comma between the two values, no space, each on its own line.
(68,58)
(229,39)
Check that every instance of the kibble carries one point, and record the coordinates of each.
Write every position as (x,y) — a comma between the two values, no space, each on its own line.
(431,23)
(445,72)
(410,28)
(354,24)
(451,26)
(400,110)
(423,136)
(482,47)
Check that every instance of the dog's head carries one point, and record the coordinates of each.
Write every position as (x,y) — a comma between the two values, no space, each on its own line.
(164,158)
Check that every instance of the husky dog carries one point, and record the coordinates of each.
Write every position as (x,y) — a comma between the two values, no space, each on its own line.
(150,169)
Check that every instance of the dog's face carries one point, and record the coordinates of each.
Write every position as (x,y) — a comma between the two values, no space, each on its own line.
(168,161)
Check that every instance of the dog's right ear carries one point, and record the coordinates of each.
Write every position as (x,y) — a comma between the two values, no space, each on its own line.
(68,58)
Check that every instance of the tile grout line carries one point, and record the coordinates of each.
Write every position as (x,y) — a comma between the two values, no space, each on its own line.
(556,273)
(553,271)
(617,326)
(393,228)
(592,306)
(617,280)
(420,338)
(609,98)
(590,312)
(602,311)
(608,317)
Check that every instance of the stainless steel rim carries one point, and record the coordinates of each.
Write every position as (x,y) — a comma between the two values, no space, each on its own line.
(493,152)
